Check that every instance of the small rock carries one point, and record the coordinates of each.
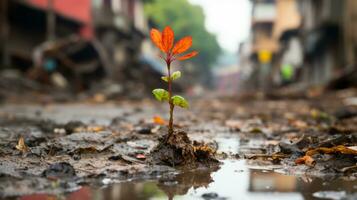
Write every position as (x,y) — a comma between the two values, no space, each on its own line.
(146,129)
(59,170)
(209,196)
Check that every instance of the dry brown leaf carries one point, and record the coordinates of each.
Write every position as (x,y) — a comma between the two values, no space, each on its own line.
(204,148)
(337,149)
(21,146)
(94,129)
(298,123)
(99,98)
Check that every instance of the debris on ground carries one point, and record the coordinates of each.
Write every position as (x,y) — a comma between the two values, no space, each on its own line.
(87,142)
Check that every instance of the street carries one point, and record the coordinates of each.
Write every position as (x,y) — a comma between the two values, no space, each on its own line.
(88,145)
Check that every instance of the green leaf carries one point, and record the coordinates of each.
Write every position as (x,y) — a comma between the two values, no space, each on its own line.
(165,78)
(161,94)
(179,101)
(176,75)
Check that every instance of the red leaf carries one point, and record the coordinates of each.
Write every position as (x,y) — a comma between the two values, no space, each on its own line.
(156,38)
(182,45)
(167,39)
(189,55)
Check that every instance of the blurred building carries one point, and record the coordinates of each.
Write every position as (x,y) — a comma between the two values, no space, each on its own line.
(305,41)
(120,26)
(272,20)
(24,26)
(329,37)
(82,40)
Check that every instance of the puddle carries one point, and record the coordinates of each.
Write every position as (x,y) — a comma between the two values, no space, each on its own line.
(234,180)
(335,195)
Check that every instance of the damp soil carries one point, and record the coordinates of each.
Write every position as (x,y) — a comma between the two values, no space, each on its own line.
(268,148)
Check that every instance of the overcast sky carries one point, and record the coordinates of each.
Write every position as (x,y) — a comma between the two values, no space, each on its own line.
(228,19)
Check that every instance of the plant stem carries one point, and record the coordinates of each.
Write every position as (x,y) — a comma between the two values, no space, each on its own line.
(171,104)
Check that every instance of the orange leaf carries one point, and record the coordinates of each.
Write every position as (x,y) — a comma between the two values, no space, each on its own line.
(189,55)
(156,38)
(167,39)
(182,45)
(307,160)
(21,146)
(158,120)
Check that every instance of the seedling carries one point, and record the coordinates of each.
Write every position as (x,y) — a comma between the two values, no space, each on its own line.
(165,42)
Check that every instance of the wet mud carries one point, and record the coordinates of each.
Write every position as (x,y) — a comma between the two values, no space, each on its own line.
(61,149)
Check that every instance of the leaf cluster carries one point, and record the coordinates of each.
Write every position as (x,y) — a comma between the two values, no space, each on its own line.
(163,95)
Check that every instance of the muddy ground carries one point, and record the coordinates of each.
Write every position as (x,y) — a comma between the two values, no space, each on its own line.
(58,148)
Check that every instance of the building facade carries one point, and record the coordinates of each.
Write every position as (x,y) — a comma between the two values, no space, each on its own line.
(301,41)
(271,21)
(106,34)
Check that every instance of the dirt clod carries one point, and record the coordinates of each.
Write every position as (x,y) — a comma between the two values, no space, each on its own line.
(178,150)
(59,170)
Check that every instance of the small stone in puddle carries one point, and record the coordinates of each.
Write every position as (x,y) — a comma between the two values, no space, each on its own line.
(212,195)
(59,170)
(147,129)
(144,130)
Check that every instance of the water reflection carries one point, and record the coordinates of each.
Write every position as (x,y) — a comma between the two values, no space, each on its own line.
(233,181)
(182,183)
(166,187)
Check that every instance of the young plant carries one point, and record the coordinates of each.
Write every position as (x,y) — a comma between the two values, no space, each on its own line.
(165,42)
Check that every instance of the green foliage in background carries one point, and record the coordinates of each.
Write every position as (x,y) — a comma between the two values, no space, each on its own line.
(186,19)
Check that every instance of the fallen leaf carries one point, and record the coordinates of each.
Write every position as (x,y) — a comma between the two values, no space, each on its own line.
(298,123)
(90,149)
(307,160)
(158,120)
(99,98)
(94,129)
(204,148)
(319,115)
(336,149)
(21,146)
(125,158)
(255,130)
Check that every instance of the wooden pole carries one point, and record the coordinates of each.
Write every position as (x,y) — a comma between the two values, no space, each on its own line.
(51,21)
(4,29)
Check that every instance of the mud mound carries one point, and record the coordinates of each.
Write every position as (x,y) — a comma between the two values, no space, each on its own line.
(177,150)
